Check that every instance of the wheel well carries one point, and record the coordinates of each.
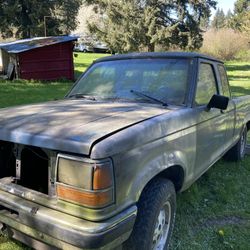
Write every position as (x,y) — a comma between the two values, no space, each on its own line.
(174,174)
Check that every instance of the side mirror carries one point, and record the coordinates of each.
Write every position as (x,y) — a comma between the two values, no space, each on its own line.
(219,102)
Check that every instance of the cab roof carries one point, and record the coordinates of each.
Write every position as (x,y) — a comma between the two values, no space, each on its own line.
(157,55)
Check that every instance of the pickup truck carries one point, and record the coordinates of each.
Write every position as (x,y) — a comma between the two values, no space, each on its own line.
(100,169)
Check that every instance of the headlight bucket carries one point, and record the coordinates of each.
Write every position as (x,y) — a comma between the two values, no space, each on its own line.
(85,182)
(75,173)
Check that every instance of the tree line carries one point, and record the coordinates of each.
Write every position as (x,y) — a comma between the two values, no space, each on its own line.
(238,20)
(228,35)
(125,25)
(136,25)
(25,18)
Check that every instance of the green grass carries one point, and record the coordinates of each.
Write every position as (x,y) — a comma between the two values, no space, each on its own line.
(22,92)
(83,60)
(239,77)
(214,213)
(6,244)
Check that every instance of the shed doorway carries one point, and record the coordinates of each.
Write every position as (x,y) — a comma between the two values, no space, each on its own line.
(7,65)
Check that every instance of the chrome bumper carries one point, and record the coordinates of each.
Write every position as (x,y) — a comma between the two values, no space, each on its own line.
(61,230)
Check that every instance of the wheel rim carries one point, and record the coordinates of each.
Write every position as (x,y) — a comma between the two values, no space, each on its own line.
(242,144)
(162,227)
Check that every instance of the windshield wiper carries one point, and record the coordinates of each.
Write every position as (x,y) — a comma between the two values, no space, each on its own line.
(148,97)
(79,95)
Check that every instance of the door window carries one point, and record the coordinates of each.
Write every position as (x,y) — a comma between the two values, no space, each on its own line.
(206,84)
(224,81)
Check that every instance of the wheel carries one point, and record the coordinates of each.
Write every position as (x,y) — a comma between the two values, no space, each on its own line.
(155,219)
(238,151)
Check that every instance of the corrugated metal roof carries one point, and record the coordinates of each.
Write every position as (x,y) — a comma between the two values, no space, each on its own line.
(33,43)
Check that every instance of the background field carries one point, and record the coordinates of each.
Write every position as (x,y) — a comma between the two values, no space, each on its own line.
(214,213)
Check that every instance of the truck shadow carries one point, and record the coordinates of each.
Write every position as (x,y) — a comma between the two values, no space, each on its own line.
(238,67)
(239,91)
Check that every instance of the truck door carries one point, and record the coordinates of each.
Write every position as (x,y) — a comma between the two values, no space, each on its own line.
(210,129)
(230,112)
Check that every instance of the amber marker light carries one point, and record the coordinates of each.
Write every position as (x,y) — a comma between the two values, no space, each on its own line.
(85,198)
(102,177)
(85,182)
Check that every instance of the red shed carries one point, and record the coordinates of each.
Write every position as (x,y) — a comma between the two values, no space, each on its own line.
(43,58)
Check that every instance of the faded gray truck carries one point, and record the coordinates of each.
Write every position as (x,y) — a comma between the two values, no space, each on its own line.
(101,168)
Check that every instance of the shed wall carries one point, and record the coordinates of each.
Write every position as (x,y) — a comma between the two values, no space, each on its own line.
(47,63)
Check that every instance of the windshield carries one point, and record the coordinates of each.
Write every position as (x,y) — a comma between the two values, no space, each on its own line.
(164,80)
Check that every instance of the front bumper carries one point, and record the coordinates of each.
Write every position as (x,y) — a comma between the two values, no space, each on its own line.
(60,230)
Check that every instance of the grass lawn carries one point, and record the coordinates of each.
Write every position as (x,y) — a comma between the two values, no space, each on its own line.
(215,212)
(83,60)
(239,77)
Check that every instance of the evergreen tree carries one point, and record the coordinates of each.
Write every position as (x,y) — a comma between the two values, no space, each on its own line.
(229,19)
(245,24)
(65,11)
(241,6)
(241,17)
(205,23)
(136,24)
(219,20)
(25,18)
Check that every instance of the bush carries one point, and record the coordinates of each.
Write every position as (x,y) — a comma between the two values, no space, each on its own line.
(225,44)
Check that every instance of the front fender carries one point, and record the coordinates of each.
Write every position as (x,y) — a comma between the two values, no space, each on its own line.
(155,167)
(136,167)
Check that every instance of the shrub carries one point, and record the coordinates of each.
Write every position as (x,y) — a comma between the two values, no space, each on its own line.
(225,44)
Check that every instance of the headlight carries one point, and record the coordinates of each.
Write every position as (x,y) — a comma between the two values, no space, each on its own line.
(85,182)
(75,172)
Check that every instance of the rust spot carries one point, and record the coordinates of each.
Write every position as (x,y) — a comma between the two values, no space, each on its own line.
(34,210)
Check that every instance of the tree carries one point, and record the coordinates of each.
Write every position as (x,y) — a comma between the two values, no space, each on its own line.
(205,23)
(229,18)
(136,24)
(241,17)
(219,20)
(25,18)
(241,6)
(65,11)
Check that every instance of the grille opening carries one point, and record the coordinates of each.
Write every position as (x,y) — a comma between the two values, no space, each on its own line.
(34,169)
(7,160)
(34,166)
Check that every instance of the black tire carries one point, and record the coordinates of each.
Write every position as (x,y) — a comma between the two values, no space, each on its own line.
(238,151)
(158,194)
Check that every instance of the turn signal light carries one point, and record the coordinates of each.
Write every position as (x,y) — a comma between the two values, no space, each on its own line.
(102,177)
(83,197)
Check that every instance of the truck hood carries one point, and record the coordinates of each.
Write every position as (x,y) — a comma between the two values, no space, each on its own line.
(71,125)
